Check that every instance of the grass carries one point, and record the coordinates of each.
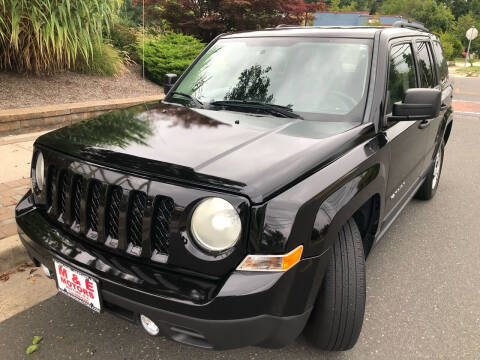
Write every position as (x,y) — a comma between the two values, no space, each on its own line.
(470,70)
(43,36)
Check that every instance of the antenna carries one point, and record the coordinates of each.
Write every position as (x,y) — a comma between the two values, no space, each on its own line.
(143,46)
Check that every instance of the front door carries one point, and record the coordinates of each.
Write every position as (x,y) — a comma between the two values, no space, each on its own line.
(406,138)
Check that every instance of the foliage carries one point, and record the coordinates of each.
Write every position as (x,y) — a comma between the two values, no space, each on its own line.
(253,84)
(129,15)
(470,70)
(105,60)
(43,36)
(464,23)
(208,18)
(117,128)
(124,38)
(462,7)
(171,53)
(435,16)
(452,47)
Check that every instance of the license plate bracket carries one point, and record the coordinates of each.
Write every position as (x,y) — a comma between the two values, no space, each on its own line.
(78,286)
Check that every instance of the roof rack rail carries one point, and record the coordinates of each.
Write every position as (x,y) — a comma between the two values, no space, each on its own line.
(287,26)
(409,25)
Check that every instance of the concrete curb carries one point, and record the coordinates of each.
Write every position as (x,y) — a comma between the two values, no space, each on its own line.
(12,253)
(15,121)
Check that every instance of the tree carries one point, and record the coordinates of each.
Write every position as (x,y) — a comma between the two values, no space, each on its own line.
(452,46)
(464,23)
(208,18)
(436,17)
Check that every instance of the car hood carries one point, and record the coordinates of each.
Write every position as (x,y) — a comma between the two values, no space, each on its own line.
(254,155)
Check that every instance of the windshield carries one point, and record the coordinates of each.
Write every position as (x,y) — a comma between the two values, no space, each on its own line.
(317,78)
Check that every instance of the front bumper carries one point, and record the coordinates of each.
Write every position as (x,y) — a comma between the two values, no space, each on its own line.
(246,308)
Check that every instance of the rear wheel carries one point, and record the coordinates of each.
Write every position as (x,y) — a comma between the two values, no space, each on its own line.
(337,317)
(430,184)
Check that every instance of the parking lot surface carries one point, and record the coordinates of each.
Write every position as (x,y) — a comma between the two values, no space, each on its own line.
(423,285)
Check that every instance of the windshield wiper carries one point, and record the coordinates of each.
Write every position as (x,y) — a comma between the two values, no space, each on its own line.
(285,111)
(188,96)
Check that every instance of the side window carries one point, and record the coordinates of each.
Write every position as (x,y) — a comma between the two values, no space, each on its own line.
(401,74)
(441,62)
(425,65)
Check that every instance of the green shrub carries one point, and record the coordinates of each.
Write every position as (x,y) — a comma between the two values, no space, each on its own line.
(452,46)
(122,36)
(105,60)
(171,53)
(43,36)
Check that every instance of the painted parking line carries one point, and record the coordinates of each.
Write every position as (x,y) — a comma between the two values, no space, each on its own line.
(470,107)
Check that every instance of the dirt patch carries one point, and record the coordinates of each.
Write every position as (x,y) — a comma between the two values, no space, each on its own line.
(19,91)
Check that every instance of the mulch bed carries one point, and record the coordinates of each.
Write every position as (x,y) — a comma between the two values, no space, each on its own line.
(19,91)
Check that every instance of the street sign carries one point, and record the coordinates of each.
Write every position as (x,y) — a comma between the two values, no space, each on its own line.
(472,33)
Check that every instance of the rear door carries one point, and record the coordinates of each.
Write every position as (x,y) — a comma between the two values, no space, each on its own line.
(406,138)
(429,77)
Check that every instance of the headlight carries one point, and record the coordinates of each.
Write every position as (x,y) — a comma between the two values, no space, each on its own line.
(216,224)
(39,172)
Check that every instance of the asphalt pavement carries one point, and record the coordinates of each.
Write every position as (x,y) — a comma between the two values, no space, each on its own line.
(423,285)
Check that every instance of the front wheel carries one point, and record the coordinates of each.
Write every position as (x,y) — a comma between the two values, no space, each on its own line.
(430,184)
(337,317)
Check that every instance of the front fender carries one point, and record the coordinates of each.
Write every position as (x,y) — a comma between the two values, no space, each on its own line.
(312,211)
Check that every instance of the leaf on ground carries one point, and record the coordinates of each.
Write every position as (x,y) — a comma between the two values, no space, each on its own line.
(37,339)
(31,349)
(59,338)
(24,266)
(6,275)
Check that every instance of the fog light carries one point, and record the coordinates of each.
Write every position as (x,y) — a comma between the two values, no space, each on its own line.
(149,326)
(46,271)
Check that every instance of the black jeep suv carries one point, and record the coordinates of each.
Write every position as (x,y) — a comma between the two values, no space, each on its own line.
(240,210)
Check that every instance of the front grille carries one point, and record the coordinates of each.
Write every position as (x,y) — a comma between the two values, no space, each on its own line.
(121,219)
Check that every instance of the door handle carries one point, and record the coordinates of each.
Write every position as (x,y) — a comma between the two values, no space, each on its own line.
(443,107)
(424,124)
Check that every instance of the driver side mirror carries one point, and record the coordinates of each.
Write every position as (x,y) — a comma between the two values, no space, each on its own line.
(168,82)
(418,104)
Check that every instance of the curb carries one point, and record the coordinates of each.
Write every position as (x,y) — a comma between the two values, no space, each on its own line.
(12,253)
(22,120)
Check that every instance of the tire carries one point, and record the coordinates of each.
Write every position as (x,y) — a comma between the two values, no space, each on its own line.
(430,184)
(337,317)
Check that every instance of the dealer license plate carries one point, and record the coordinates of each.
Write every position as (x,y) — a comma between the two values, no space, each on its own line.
(78,286)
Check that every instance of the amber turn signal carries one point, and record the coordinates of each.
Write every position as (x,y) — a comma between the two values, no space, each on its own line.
(271,262)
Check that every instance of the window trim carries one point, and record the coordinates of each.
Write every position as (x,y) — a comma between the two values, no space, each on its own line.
(436,81)
(391,44)
(441,83)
